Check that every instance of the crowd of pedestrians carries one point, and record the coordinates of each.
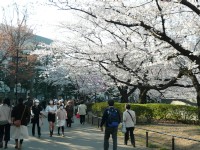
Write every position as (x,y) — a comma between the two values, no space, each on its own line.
(14,120)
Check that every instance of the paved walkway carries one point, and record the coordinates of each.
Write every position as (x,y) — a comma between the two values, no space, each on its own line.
(78,137)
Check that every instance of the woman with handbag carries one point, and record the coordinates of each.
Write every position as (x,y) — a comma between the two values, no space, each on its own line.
(20,114)
(5,121)
(129,120)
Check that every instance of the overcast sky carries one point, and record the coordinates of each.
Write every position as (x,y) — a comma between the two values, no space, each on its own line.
(42,18)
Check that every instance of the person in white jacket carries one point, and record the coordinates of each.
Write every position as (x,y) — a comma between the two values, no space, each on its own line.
(82,108)
(5,121)
(61,119)
(129,119)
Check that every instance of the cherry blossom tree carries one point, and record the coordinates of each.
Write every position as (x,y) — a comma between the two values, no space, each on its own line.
(82,50)
(57,69)
(163,24)
(107,56)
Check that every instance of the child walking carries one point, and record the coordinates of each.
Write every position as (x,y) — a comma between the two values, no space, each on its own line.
(61,119)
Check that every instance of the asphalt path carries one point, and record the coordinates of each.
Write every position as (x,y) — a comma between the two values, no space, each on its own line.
(78,137)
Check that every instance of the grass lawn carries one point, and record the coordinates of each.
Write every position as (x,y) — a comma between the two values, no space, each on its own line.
(159,141)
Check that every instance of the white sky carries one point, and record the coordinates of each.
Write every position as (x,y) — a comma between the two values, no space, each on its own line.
(42,18)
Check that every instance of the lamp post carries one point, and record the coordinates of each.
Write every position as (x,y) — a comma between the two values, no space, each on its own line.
(16,75)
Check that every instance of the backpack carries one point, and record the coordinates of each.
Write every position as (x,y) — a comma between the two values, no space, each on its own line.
(113,117)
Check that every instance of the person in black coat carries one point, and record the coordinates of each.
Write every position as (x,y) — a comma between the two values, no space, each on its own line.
(70,112)
(36,114)
(20,112)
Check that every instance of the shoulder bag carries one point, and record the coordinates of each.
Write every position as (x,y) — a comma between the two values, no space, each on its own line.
(131,116)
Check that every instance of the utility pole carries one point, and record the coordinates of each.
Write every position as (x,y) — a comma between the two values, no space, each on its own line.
(16,75)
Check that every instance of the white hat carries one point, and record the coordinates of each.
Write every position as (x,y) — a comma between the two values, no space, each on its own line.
(37,101)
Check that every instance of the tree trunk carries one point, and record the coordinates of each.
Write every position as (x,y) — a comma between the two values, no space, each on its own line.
(124,97)
(197,88)
(12,95)
(143,95)
(124,93)
(198,104)
(31,89)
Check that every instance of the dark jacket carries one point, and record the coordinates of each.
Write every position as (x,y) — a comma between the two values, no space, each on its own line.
(17,113)
(105,116)
(36,111)
(70,110)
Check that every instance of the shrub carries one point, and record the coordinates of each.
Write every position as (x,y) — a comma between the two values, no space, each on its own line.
(146,112)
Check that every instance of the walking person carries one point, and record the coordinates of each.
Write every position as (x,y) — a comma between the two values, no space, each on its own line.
(70,112)
(129,119)
(36,116)
(5,121)
(20,113)
(51,110)
(61,119)
(82,108)
(111,118)
(29,103)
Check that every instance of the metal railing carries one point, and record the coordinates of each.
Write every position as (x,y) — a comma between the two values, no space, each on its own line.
(162,133)
(95,120)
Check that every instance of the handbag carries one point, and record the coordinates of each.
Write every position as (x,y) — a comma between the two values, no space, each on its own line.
(18,123)
(123,128)
(77,115)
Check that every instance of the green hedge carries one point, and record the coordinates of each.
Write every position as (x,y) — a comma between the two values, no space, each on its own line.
(148,112)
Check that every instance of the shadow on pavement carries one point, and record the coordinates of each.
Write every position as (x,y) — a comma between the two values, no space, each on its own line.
(78,137)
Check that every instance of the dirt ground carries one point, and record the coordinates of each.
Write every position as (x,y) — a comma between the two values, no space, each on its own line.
(160,136)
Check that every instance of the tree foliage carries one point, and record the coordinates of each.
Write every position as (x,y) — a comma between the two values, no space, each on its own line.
(15,62)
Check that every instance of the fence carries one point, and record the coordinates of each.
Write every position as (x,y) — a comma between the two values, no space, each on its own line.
(95,120)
